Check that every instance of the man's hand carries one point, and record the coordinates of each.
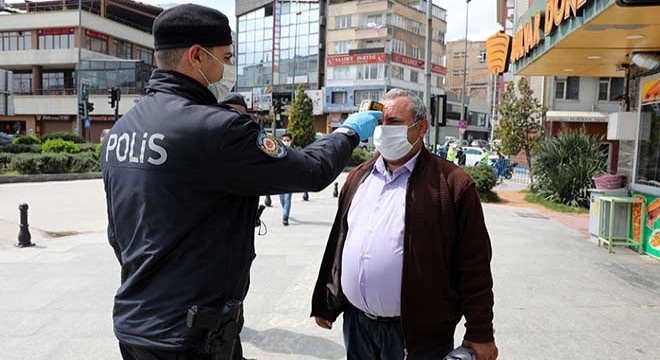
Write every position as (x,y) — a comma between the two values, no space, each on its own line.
(482,351)
(363,123)
(326,324)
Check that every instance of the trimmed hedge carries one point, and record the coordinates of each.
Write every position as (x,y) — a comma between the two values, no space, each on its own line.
(26,140)
(59,146)
(360,155)
(20,148)
(40,164)
(67,136)
(87,147)
(5,161)
(53,163)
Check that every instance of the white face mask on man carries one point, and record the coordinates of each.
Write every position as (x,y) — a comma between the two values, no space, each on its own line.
(391,141)
(221,88)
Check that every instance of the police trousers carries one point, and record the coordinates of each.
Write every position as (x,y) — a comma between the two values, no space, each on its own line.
(131,352)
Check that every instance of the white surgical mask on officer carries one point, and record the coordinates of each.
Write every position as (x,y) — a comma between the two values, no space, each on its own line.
(221,88)
(391,141)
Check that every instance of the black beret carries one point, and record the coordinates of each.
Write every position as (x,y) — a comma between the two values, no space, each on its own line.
(186,25)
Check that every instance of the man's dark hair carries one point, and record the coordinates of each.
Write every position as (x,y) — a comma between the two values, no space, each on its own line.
(287,135)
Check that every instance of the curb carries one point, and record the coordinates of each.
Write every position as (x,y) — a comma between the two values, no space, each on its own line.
(15,179)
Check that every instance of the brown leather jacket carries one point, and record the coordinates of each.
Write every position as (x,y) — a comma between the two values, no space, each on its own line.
(446,262)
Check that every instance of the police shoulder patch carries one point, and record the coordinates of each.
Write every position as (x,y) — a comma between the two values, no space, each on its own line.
(270,145)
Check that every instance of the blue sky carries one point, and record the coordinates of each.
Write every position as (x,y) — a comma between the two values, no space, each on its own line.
(482,22)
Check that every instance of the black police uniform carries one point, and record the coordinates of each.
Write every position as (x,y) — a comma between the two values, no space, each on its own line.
(182,178)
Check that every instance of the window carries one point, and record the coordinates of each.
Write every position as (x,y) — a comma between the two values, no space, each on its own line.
(458,55)
(416,52)
(397,72)
(416,28)
(370,72)
(414,76)
(648,156)
(15,40)
(371,44)
(52,81)
(374,21)
(343,22)
(341,73)
(360,95)
(22,83)
(146,55)
(97,45)
(339,97)
(482,56)
(123,49)
(567,88)
(610,89)
(342,47)
(441,37)
(56,41)
(398,47)
(398,21)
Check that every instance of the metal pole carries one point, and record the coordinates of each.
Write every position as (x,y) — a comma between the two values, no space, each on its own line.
(427,65)
(494,108)
(78,77)
(295,55)
(463,110)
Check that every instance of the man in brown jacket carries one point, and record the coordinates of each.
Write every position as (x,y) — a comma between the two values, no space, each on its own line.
(409,253)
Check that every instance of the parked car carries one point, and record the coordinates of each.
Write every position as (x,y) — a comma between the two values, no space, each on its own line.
(480,143)
(5,139)
(473,155)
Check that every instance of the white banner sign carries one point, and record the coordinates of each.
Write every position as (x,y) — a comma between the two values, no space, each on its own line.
(318,98)
(247,95)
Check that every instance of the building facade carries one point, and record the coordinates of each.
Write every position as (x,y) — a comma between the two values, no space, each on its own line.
(479,81)
(378,45)
(39,44)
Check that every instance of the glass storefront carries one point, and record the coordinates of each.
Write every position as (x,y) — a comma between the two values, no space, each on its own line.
(285,37)
(131,76)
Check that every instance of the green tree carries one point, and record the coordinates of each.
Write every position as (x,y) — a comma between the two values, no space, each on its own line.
(301,119)
(520,117)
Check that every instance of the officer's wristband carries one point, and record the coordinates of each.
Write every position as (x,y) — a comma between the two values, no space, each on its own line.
(348,131)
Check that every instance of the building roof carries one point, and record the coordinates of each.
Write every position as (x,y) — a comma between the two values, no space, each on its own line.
(577,116)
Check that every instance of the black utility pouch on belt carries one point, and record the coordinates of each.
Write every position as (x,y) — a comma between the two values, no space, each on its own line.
(221,328)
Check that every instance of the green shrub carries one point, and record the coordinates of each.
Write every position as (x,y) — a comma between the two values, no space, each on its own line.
(26,140)
(87,147)
(64,136)
(5,161)
(97,151)
(40,163)
(83,162)
(20,148)
(360,155)
(59,146)
(483,176)
(564,166)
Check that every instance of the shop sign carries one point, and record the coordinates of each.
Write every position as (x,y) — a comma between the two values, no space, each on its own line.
(357,59)
(649,231)
(262,98)
(417,63)
(504,49)
(55,31)
(651,91)
(96,35)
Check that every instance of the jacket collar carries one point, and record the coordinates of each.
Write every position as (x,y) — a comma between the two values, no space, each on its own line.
(173,82)
(422,158)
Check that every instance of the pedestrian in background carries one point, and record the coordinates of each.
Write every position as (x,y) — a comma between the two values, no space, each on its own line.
(460,156)
(451,153)
(285,199)
(409,253)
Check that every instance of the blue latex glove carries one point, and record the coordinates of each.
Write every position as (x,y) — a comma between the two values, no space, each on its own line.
(363,123)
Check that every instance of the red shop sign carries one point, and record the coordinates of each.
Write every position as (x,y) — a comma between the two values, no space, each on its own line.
(357,59)
(55,31)
(95,35)
(417,63)
(438,69)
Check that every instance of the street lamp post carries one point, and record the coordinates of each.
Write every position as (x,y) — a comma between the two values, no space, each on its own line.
(295,55)
(463,109)
(78,77)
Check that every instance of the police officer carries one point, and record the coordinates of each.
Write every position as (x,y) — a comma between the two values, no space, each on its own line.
(183,175)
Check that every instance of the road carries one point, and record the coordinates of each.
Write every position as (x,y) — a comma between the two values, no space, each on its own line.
(557,295)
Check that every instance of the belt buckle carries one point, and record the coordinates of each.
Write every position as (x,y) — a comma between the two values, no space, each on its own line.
(372,317)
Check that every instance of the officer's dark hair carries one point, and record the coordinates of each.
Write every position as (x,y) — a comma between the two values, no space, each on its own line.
(287,135)
(169,59)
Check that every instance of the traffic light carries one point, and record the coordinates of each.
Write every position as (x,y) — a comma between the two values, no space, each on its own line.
(111,96)
(90,107)
(81,109)
(114,94)
(277,104)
